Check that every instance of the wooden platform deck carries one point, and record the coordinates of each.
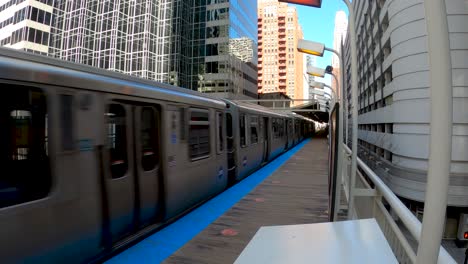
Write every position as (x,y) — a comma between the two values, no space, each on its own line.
(296,193)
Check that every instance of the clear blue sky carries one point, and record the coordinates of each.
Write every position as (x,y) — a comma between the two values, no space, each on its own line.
(318,25)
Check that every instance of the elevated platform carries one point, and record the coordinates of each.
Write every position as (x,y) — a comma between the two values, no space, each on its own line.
(295,193)
(293,189)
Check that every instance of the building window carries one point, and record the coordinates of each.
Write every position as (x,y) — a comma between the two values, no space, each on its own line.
(199,134)
(23,133)
(389,128)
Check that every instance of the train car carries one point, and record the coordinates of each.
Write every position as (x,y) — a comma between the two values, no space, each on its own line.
(302,127)
(93,159)
(255,134)
(90,157)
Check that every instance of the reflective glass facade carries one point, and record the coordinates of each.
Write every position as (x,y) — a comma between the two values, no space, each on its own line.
(127,36)
(230,67)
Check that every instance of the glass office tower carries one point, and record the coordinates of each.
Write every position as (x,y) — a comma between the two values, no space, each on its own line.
(128,36)
(230,59)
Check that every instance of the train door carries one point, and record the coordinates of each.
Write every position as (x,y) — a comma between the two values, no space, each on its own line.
(146,148)
(131,166)
(265,131)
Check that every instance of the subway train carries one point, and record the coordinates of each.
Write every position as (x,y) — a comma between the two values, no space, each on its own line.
(93,160)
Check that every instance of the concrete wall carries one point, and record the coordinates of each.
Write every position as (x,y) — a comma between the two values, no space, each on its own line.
(404,87)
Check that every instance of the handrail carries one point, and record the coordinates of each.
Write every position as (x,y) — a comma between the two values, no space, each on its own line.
(411,222)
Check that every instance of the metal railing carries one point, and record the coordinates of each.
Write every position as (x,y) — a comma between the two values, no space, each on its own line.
(373,199)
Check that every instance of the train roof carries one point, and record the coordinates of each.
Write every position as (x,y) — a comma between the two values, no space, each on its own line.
(24,66)
(255,107)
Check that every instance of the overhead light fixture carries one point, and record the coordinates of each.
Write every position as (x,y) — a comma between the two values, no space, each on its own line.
(318,85)
(310,47)
(314,71)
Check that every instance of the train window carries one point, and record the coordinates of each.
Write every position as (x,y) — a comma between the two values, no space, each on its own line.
(253,129)
(242,127)
(280,128)
(117,140)
(24,155)
(219,131)
(199,134)
(274,126)
(149,138)
(66,119)
(230,138)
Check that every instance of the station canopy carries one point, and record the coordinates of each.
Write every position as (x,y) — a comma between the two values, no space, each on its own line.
(317,115)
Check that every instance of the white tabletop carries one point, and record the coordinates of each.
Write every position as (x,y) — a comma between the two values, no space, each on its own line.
(357,241)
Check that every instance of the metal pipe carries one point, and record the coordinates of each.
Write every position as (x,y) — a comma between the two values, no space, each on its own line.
(340,138)
(354,102)
(340,146)
(440,150)
(343,95)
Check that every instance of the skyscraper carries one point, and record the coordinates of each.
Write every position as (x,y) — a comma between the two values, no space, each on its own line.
(280,64)
(310,61)
(230,61)
(26,25)
(132,37)
(339,36)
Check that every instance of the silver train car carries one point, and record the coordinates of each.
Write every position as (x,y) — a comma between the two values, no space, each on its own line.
(257,137)
(94,160)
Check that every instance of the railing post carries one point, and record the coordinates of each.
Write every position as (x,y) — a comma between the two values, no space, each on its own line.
(440,149)
(343,94)
(354,91)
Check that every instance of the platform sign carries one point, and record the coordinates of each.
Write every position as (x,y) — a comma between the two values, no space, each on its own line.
(313,3)
(333,160)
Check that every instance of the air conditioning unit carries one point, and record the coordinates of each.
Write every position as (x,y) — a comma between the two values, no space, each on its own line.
(463,227)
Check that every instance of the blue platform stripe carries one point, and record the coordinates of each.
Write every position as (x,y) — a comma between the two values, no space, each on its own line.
(156,248)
